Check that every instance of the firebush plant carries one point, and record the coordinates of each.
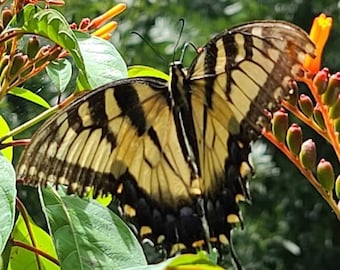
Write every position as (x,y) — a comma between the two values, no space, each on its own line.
(35,38)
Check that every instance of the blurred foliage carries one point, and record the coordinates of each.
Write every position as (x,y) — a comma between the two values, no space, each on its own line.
(287,225)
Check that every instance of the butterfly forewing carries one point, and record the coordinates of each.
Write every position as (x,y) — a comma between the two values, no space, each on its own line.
(124,126)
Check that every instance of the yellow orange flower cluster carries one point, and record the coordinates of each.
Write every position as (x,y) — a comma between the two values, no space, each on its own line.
(105,31)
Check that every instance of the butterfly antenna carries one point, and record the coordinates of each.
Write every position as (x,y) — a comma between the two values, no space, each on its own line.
(185,46)
(181,21)
(150,45)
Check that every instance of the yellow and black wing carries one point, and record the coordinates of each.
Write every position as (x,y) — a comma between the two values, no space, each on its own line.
(121,131)
(174,154)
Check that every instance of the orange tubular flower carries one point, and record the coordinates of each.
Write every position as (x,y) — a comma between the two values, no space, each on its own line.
(100,20)
(319,34)
(105,31)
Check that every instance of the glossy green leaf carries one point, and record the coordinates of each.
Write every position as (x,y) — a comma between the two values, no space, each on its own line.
(142,71)
(4,129)
(60,72)
(7,200)
(88,235)
(51,24)
(22,258)
(30,96)
(103,63)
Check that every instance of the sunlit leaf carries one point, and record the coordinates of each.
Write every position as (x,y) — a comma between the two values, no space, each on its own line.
(192,262)
(103,63)
(142,71)
(22,258)
(4,129)
(30,96)
(7,200)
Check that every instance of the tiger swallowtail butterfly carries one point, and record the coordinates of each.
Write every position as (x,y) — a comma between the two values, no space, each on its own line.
(174,154)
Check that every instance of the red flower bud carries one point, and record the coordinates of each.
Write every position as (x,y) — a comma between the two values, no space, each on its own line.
(294,139)
(325,174)
(334,110)
(6,16)
(332,91)
(306,105)
(280,124)
(336,125)
(318,117)
(321,80)
(307,154)
(337,187)
(84,23)
(293,93)
(18,61)
(32,47)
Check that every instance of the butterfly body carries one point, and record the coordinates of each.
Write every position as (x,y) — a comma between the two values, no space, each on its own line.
(175,154)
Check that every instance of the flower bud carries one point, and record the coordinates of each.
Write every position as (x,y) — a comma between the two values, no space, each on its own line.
(293,93)
(332,91)
(280,125)
(6,16)
(321,80)
(18,61)
(84,24)
(325,174)
(55,53)
(32,47)
(42,55)
(294,139)
(307,154)
(56,2)
(337,187)
(4,63)
(306,105)
(318,117)
(334,110)
(73,26)
(336,124)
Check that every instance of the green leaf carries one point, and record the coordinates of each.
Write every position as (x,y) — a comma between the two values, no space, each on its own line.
(60,72)
(103,62)
(87,235)
(4,129)
(142,71)
(5,256)
(30,96)
(198,261)
(7,200)
(192,261)
(22,258)
(51,24)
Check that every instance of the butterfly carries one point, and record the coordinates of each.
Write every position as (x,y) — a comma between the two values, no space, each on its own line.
(174,153)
